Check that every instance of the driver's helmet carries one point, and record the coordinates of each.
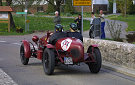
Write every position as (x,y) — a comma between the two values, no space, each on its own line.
(58,28)
(73,26)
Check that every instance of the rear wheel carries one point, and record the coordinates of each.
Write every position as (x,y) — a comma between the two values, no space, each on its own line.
(24,60)
(95,66)
(48,61)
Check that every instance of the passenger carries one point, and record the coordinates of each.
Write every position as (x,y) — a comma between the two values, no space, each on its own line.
(58,34)
(73,32)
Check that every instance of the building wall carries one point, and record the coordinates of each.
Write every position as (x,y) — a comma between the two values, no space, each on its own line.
(85,9)
(32,9)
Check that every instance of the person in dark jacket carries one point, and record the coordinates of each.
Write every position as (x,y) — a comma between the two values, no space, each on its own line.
(73,32)
(57,35)
(78,20)
(57,18)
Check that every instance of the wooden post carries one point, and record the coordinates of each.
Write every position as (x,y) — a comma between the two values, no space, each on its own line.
(8,22)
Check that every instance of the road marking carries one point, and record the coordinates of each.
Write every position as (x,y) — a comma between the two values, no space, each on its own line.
(6,79)
(16,44)
(3,41)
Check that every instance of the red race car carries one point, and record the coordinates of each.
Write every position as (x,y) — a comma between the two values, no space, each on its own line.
(66,50)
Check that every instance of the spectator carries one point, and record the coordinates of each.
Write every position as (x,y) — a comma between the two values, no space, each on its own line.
(57,18)
(101,15)
(57,35)
(78,20)
(73,32)
(91,24)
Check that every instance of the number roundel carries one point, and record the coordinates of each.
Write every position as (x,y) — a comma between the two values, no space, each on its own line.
(65,44)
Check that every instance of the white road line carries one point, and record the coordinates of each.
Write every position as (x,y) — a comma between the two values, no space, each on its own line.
(16,44)
(6,79)
(3,41)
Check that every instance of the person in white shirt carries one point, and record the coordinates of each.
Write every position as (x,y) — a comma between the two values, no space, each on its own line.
(101,15)
(92,18)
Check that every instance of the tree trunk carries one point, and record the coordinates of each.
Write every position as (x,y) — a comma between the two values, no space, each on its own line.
(12,23)
(58,4)
(125,10)
(0,2)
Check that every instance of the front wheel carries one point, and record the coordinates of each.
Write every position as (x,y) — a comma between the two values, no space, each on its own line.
(24,60)
(95,66)
(48,61)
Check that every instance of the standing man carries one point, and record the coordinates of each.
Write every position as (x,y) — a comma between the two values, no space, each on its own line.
(101,15)
(57,18)
(78,20)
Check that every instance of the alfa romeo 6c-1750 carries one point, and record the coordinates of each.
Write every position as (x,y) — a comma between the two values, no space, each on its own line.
(67,50)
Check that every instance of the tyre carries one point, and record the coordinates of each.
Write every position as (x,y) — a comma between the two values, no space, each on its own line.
(24,60)
(95,66)
(48,61)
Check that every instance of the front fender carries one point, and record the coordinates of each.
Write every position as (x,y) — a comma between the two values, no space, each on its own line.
(27,49)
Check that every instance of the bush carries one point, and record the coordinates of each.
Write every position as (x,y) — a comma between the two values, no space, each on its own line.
(68,14)
(115,30)
(131,38)
(40,13)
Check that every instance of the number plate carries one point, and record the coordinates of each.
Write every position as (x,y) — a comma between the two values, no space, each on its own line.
(68,60)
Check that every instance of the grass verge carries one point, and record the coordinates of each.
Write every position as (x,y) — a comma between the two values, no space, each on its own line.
(37,23)
(130,19)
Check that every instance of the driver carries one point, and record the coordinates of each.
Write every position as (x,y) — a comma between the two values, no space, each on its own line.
(58,34)
(73,32)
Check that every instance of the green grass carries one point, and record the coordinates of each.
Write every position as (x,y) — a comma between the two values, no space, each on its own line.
(130,19)
(38,24)
(85,14)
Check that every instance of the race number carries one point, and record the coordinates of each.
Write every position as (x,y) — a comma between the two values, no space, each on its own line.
(65,44)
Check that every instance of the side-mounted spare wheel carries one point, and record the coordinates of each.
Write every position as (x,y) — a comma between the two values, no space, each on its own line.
(24,60)
(48,61)
(95,66)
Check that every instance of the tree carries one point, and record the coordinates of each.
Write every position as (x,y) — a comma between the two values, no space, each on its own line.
(110,6)
(56,5)
(69,8)
(12,24)
(0,2)
(124,6)
(50,8)
(22,3)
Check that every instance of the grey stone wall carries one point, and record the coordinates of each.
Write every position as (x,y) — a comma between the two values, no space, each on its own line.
(118,53)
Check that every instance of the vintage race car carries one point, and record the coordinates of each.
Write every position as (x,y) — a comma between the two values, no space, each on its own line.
(67,50)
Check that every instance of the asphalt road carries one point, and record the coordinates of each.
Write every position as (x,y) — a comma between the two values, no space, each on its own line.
(33,74)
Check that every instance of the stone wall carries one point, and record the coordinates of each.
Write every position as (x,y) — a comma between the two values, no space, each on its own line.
(118,53)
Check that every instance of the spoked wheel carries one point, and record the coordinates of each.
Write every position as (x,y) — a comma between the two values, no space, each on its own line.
(48,61)
(95,66)
(91,32)
(24,60)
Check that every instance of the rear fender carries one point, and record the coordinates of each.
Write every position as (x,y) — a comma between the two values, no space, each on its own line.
(90,54)
(27,49)
(50,46)
(92,47)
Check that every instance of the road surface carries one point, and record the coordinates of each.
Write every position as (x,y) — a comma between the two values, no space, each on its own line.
(33,73)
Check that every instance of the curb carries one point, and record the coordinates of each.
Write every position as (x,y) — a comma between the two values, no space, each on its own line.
(119,69)
(5,79)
